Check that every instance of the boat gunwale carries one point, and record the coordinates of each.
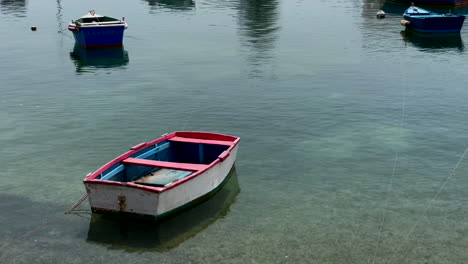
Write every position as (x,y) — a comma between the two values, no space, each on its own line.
(434,15)
(99,24)
(91,178)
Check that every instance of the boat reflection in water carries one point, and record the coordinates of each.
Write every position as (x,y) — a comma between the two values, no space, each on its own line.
(13,7)
(88,60)
(172,4)
(258,31)
(145,233)
(433,42)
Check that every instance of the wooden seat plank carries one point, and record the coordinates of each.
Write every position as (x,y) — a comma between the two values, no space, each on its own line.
(165,164)
(201,141)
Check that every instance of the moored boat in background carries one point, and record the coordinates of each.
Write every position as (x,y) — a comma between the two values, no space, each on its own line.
(163,175)
(422,20)
(391,7)
(433,2)
(93,30)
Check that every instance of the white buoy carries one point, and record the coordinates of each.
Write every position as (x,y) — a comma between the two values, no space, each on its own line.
(380,14)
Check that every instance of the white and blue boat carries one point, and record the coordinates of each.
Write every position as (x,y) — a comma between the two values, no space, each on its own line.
(93,30)
(422,20)
(163,176)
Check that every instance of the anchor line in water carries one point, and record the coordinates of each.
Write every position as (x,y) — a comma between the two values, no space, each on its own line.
(63,30)
(390,184)
(426,209)
(77,203)
(344,255)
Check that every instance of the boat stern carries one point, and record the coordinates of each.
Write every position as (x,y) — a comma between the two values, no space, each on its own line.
(93,30)
(96,37)
(111,198)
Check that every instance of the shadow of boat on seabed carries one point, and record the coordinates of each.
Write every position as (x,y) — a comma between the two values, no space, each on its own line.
(88,60)
(147,234)
(433,42)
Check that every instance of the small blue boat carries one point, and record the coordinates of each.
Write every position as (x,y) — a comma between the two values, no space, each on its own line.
(434,2)
(93,30)
(423,20)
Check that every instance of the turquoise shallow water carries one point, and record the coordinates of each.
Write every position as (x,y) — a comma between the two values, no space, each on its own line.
(352,133)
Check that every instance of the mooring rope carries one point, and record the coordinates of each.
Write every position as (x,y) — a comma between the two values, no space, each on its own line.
(426,209)
(75,205)
(390,184)
(62,31)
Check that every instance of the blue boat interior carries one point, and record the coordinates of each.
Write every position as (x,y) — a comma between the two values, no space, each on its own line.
(167,151)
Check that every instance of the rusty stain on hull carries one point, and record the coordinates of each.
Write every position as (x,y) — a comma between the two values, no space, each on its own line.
(121,201)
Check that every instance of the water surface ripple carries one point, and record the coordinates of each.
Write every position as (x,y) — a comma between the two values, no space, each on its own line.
(353,131)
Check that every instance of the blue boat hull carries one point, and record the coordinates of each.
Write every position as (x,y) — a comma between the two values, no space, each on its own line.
(91,37)
(433,2)
(436,24)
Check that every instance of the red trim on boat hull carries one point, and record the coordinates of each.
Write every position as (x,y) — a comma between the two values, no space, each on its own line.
(91,179)
(201,141)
